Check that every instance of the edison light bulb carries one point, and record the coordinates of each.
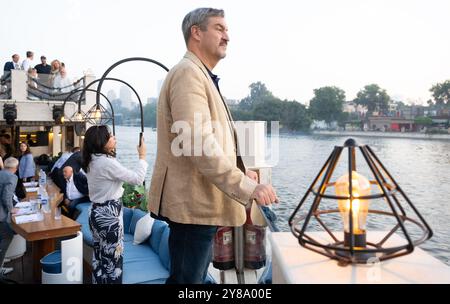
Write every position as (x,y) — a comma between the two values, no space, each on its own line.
(97,115)
(360,207)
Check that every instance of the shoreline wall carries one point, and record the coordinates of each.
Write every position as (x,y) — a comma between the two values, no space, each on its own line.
(384,134)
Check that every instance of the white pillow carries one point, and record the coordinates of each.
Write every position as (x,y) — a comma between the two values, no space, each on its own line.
(143,229)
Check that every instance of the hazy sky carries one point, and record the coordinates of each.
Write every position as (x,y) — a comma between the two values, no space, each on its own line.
(291,46)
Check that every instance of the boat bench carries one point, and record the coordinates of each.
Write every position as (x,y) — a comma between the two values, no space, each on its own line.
(145,263)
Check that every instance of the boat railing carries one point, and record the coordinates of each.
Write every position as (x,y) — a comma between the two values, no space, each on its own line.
(20,86)
(42,87)
(5,86)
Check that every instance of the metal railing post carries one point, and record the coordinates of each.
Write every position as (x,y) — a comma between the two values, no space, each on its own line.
(239,253)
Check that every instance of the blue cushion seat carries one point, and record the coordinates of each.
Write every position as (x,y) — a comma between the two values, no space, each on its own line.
(51,263)
(142,265)
(137,215)
(83,219)
(163,250)
(146,263)
(155,237)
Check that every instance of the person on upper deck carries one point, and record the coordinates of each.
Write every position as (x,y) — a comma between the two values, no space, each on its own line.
(62,82)
(28,62)
(12,65)
(43,67)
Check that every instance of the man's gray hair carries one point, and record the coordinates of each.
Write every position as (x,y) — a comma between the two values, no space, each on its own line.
(10,163)
(199,17)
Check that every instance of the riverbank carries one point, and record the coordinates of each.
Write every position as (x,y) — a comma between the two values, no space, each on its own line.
(408,135)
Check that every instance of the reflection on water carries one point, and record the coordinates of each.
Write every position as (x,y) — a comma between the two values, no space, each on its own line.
(421,167)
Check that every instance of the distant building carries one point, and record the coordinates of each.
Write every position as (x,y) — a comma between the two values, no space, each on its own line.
(125,97)
(410,112)
(353,108)
(393,124)
(111,95)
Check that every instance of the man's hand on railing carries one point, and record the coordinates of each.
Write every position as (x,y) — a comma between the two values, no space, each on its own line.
(264,195)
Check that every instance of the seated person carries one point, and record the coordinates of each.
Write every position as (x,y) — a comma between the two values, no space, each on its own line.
(74,160)
(75,190)
(8,181)
(56,172)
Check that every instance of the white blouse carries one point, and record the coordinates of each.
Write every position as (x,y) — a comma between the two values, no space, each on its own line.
(106,177)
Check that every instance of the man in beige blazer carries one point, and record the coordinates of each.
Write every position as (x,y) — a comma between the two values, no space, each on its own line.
(198,180)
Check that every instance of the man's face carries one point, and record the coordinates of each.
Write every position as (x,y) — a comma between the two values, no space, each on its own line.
(215,39)
(16,58)
(67,172)
(44,61)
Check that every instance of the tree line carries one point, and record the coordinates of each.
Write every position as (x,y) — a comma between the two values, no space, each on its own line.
(326,105)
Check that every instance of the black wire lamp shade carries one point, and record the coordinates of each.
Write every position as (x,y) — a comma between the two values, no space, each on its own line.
(98,115)
(94,108)
(360,207)
(78,116)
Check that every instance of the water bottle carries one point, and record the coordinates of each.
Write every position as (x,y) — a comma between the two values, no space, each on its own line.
(45,204)
(39,192)
(39,198)
(42,178)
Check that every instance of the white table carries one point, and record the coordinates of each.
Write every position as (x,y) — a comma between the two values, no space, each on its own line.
(293,264)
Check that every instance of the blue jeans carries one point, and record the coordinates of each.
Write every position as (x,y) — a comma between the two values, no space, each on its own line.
(74,203)
(190,248)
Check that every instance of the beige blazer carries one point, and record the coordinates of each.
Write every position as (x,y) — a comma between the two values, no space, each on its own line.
(196,179)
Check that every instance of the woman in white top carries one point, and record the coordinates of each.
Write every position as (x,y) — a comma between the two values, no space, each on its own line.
(105,177)
(62,83)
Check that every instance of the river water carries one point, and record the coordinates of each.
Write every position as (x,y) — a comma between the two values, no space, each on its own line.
(421,168)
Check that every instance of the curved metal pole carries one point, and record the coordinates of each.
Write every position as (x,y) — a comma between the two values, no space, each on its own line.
(86,88)
(70,95)
(119,63)
(79,103)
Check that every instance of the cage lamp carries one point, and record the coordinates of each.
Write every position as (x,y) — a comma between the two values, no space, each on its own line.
(362,201)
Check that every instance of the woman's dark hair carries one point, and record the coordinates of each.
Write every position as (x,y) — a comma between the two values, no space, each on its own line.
(95,139)
(27,151)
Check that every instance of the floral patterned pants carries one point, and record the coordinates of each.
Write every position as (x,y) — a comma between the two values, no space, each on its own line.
(106,224)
